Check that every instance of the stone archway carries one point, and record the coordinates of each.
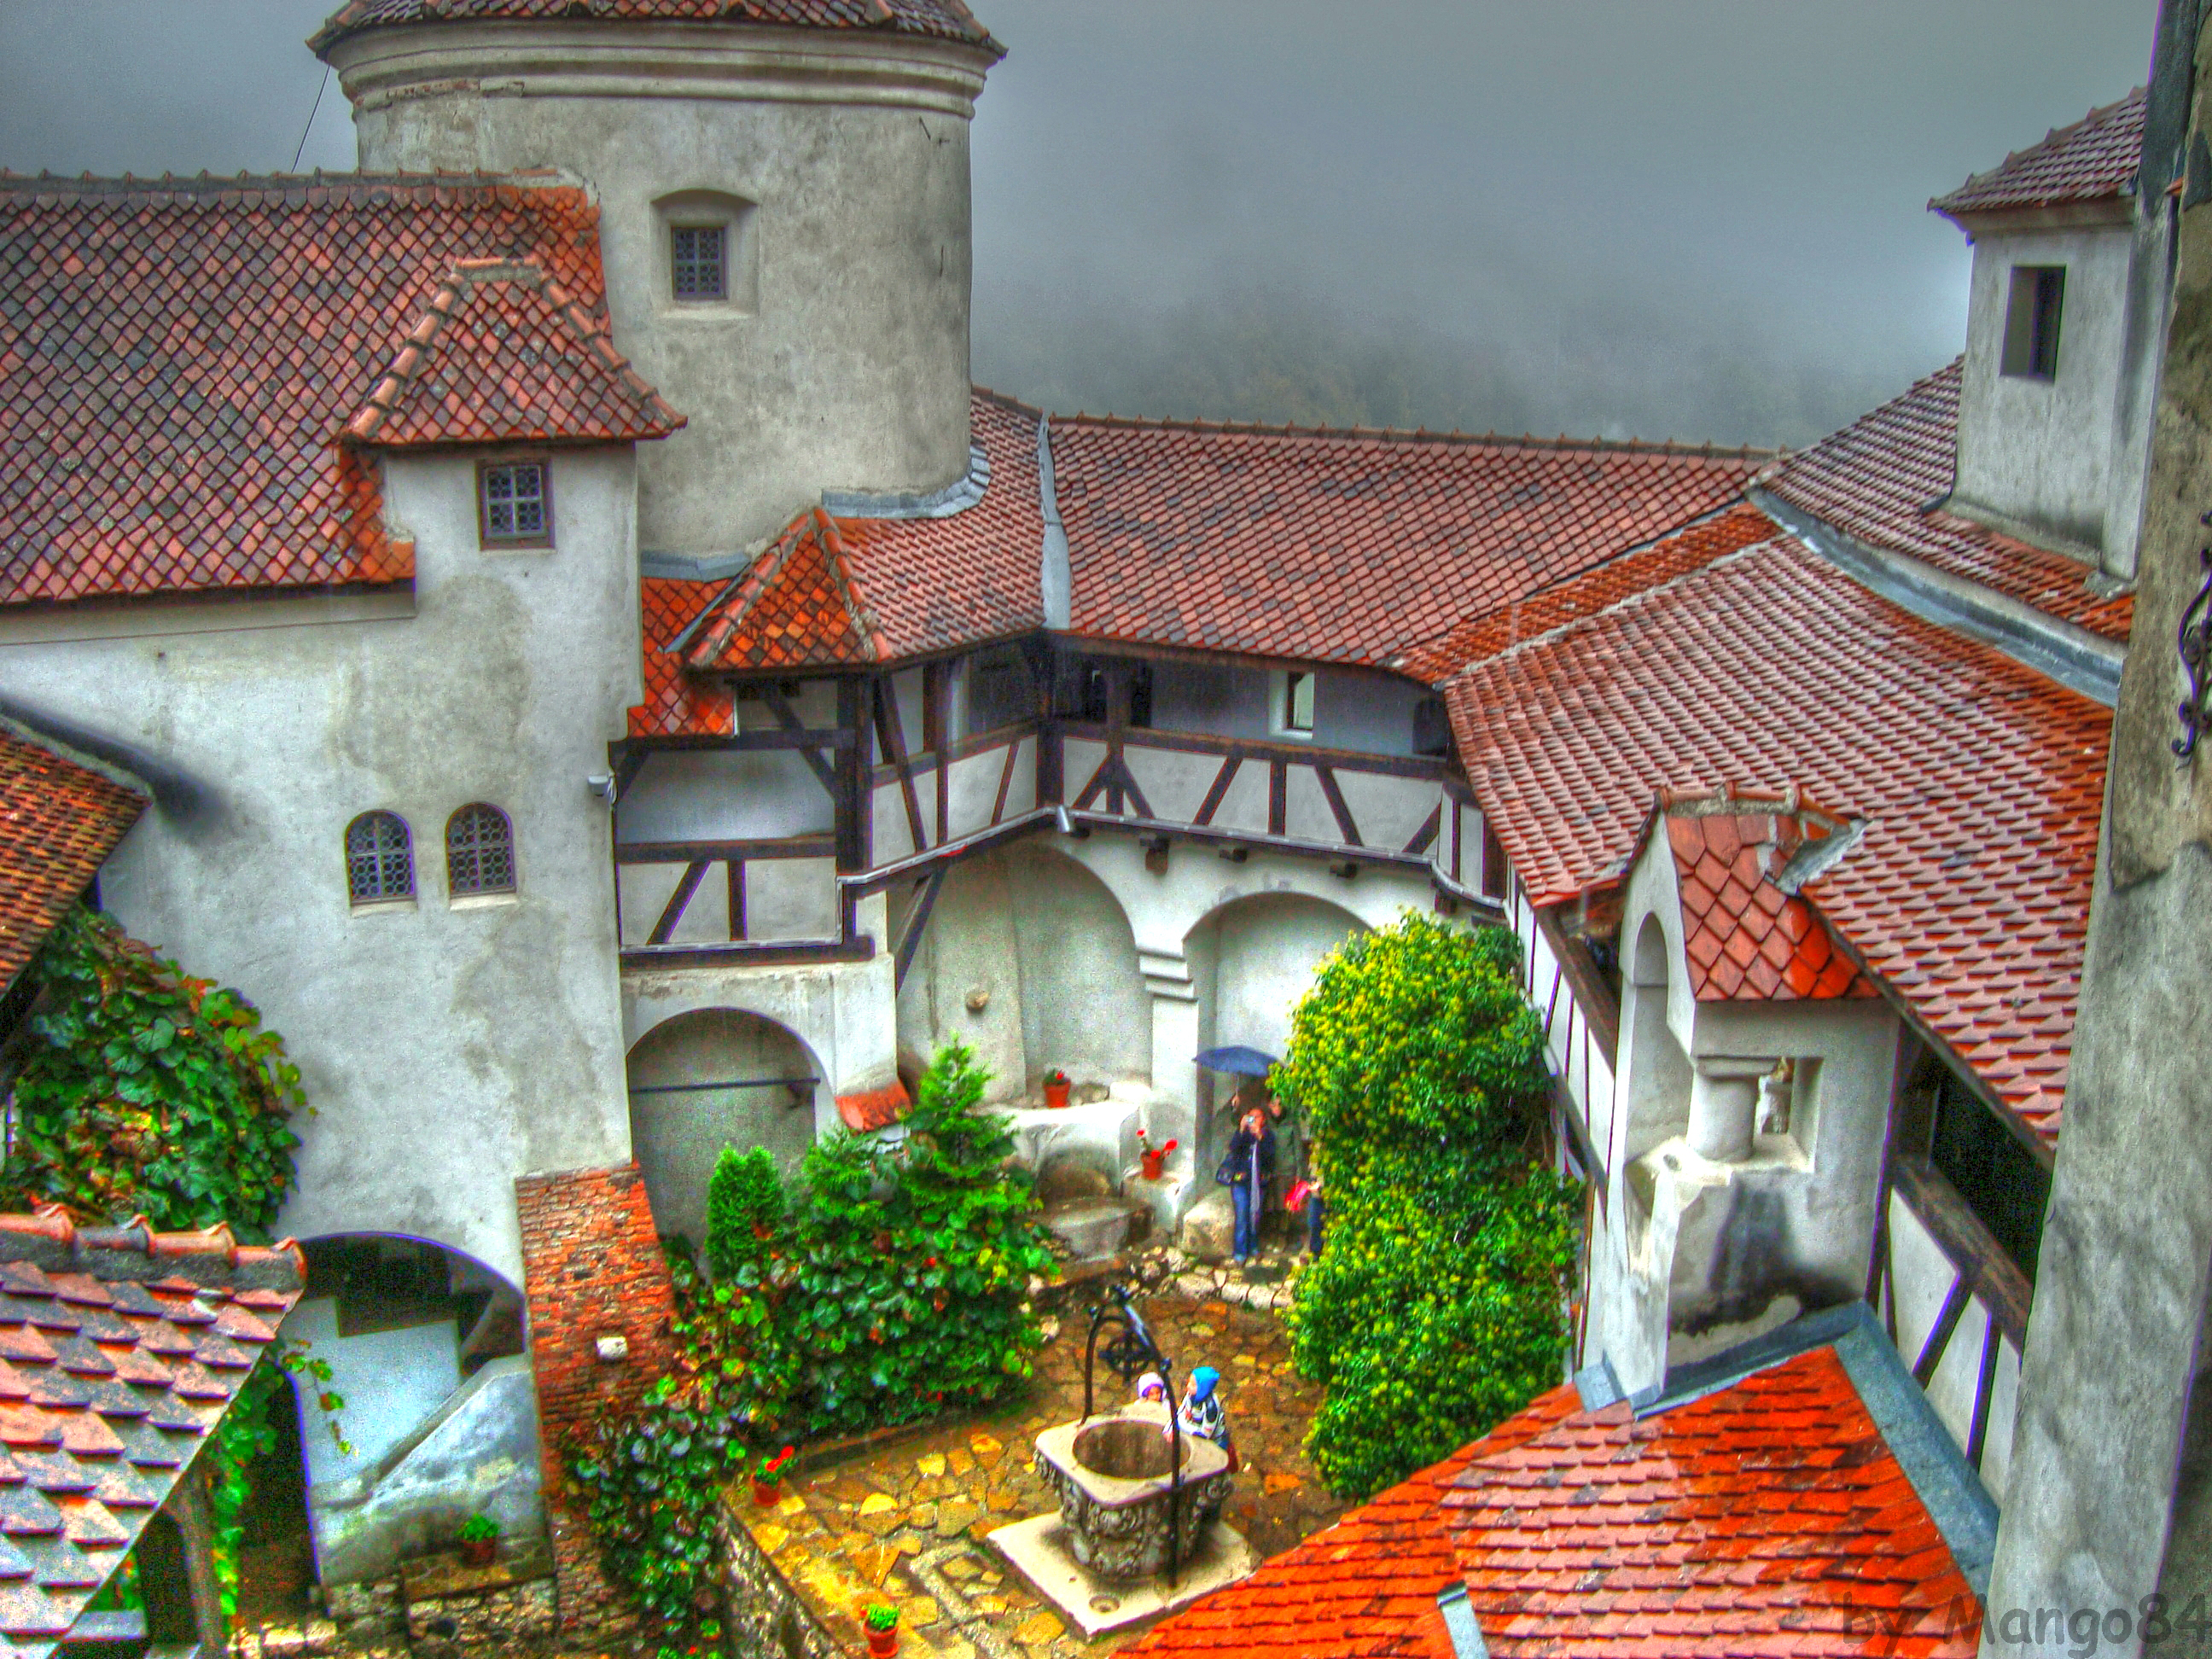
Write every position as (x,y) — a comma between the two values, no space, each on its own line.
(710,1078)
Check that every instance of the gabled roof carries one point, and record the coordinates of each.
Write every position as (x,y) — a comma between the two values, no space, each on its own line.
(1347,547)
(120,1349)
(1982,780)
(1769,1513)
(1882,480)
(178,358)
(795,608)
(1747,936)
(504,354)
(58,822)
(2093,160)
(942,20)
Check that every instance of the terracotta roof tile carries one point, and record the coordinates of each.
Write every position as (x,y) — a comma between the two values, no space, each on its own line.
(1879,478)
(504,354)
(795,608)
(1768,1518)
(677,703)
(86,1462)
(1982,781)
(178,356)
(58,822)
(944,20)
(1746,938)
(1348,547)
(2093,160)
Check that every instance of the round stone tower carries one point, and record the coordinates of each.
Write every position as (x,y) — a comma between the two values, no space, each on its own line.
(783,196)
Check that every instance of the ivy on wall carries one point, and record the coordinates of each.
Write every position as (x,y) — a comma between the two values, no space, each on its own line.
(1438,1307)
(890,1285)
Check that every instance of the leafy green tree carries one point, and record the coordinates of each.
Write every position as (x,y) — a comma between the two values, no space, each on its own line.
(1438,1308)
(145,1091)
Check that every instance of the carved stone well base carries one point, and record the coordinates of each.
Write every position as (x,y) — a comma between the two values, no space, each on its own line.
(1038,1550)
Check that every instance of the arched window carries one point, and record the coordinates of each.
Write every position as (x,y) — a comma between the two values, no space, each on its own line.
(479,851)
(380,858)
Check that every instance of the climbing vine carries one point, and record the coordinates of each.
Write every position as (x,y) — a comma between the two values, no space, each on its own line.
(1437,1309)
(890,1285)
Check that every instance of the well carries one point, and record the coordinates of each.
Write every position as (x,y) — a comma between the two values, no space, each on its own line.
(1115,1496)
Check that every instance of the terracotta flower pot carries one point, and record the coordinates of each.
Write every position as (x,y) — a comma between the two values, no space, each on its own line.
(1154,1162)
(767,1496)
(882,1643)
(1055,1097)
(479,1552)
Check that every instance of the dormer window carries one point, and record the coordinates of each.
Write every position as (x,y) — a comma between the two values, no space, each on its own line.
(515,503)
(699,262)
(2031,336)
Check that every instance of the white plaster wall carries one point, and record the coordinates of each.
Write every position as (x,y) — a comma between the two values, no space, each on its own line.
(1923,1276)
(967,949)
(2034,450)
(390,1381)
(678,1137)
(719,794)
(851,369)
(445,1051)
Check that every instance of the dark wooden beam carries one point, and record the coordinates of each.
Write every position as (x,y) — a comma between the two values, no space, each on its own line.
(891,732)
(1100,781)
(1985,1383)
(823,846)
(787,717)
(854,820)
(1425,836)
(1973,1252)
(1006,781)
(737,869)
(672,913)
(1342,813)
(1294,753)
(1279,796)
(936,717)
(1218,791)
(750,954)
(1939,1333)
(910,940)
(1599,1005)
(1032,822)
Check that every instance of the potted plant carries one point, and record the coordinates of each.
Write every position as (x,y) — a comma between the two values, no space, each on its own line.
(768,1479)
(1153,1157)
(1056,1089)
(881,1621)
(479,1541)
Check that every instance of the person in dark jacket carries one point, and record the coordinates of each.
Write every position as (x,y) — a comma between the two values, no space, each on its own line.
(1249,1166)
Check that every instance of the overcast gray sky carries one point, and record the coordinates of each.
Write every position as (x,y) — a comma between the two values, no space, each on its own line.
(1647,217)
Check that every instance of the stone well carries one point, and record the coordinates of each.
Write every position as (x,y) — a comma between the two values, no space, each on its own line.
(1112,1477)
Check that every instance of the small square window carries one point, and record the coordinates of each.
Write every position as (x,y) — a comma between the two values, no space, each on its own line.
(699,263)
(1298,703)
(516,498)
(2031,336)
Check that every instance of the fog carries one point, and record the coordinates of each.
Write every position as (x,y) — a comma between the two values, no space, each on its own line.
(1624,217)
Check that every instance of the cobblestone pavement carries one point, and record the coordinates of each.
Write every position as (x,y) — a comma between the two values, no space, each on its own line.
(905,1524)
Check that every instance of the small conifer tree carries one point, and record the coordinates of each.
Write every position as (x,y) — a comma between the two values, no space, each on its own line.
(745,1214)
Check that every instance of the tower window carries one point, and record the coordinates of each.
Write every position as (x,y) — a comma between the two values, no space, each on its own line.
(699,262)
(1298,704)
(2031,337)
(380,859)
(479,852)
(516,502)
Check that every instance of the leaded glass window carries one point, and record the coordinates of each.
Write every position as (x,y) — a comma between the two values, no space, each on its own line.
(380,859)
(518,502)
(479,852)
(697,260)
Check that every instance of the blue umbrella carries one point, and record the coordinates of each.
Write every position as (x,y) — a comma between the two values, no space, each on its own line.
(1237,1061)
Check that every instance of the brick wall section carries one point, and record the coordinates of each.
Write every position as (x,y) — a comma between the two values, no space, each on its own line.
(592,1267)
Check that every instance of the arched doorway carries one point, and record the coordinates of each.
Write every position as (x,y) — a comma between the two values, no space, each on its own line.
(711,1078)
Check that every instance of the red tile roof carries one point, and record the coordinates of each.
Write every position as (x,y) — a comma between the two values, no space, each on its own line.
(1770,1517)
(177,357)
(846,590)
(1347,547)
(2093,160)
(58,822)
(678,704)
(1879,478)
(504,354)
(123,1349)
(1982,780)
(1745,938)
(944,20)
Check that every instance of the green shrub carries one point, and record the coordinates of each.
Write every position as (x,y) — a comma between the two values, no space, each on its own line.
(1438,1308)
(745,1212)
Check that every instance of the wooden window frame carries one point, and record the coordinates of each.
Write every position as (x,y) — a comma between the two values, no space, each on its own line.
(720,228)
(2035,310)
(486,538)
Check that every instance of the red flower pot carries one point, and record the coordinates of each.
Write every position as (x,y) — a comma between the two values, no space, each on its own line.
(1154,1162)
(766,1495)
(479,1552)
(882,1643)
(1055,1097)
